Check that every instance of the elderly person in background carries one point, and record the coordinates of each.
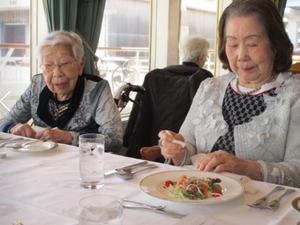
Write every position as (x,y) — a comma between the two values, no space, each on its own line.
(66,98)
(247,122)
(169,91)
(193,52)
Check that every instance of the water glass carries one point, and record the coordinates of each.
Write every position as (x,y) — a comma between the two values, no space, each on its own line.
(101,209)
(91,164)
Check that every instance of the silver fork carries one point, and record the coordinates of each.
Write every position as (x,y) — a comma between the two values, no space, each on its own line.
(275,203)
(261,203)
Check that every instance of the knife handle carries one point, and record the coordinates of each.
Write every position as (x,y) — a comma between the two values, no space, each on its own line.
(126,168)
(134,165)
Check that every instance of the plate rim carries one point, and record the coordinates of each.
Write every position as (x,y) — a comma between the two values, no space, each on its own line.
(22,150)
(295,204)
(201,202)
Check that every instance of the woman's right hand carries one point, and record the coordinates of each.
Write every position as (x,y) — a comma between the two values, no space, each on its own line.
(171,150)
(23,130)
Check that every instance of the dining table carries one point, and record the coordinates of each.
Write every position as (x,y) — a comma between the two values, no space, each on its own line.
(44,188)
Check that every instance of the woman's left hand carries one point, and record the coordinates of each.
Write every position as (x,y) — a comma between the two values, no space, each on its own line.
(54,135)
(222,161)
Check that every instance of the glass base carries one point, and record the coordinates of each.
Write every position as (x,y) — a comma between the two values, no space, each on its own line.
(92,185)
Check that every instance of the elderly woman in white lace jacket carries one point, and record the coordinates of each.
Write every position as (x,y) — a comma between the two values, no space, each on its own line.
(248,121)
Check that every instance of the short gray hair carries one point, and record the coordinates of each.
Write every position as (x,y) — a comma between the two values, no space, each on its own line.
(190,48)
(64,38)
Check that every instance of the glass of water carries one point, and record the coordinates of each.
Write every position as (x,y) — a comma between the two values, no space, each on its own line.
(101,209)
(91,163)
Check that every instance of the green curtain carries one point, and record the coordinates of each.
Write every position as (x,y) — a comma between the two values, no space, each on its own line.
(61,14)
(83,15)
(89,21)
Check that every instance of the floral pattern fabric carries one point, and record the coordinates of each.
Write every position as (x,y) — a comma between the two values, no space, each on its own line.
(271,138)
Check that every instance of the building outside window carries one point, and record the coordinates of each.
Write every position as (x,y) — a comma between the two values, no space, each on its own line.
(14,51)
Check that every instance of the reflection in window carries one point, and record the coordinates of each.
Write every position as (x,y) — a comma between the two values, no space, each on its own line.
(292,25)
(194,17)
(123,45)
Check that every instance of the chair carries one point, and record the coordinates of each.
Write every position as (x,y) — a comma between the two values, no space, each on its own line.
(129,72)
(151,153)
(102,67)
(163,106)
(295,68)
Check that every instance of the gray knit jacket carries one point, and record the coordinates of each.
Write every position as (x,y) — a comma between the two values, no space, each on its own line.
(97,107)
(272,138)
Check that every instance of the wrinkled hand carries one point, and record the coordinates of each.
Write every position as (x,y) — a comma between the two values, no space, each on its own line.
(171,150)
(54,135)
(23,130)
(222,161)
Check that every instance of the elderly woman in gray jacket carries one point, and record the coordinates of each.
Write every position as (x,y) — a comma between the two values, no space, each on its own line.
(65,98)
(248,121)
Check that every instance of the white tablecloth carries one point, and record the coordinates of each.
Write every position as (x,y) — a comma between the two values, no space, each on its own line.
(43,188)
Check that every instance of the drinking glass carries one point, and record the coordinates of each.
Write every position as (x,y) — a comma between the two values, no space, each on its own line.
(101,209)
(91,164)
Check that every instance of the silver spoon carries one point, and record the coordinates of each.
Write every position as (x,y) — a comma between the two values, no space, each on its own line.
(22,145)
(129,175)
(275,203)
(9,141)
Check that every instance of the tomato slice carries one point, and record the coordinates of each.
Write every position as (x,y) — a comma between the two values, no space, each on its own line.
(217,193)
(168,183)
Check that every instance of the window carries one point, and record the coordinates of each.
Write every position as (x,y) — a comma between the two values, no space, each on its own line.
(14,51)
(193,17)
(291,20)
(123,45)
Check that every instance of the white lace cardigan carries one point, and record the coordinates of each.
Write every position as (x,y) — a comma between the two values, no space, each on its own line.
(272,138)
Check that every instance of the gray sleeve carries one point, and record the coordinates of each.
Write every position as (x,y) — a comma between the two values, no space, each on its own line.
(20,112)
(288,171)
(106,114)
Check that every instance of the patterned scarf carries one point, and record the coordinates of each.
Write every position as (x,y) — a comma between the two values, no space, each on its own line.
(61,121)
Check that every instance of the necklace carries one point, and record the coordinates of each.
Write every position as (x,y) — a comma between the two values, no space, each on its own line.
(254,90)
(63,109)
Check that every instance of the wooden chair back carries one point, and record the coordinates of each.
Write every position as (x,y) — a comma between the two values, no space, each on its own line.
(295,68)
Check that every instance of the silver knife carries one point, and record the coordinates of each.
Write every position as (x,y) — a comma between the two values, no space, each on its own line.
(162,211)
(111,172)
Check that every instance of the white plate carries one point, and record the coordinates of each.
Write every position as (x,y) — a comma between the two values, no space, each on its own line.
(36,147)
(152,185)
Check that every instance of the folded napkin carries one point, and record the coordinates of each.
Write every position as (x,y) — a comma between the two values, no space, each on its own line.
(243,179)
(195,218)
